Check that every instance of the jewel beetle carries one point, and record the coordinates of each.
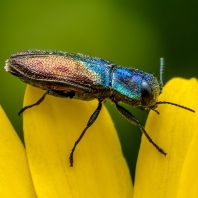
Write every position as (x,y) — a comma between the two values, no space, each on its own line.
(78,76)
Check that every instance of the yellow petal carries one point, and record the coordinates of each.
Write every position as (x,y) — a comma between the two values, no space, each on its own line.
(15,180)
(173,130)
(189,177)
(51,129)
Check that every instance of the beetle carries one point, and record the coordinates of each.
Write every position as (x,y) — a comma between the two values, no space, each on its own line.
(78,76)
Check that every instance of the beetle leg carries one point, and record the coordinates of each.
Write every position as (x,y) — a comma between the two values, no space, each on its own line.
(136,122)
(50,92)
(37,103)
(92,119)
(62,94)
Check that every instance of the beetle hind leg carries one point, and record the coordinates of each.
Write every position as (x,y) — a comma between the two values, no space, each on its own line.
(37,103)
(56,93)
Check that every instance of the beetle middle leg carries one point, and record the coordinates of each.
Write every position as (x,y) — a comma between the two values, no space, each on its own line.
(61,94)
(92,119)
(136,122)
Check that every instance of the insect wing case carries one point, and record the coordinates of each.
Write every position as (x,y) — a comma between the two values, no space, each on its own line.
(88,76)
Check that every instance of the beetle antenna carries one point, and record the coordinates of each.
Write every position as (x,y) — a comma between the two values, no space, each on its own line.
(162,65)
(183,107)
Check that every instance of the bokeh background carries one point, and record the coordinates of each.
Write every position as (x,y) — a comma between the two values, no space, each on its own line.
(129,33)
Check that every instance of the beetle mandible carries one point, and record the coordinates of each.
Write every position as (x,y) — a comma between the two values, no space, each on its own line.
(78,76)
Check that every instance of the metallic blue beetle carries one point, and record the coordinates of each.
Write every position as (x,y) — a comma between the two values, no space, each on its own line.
(85,77)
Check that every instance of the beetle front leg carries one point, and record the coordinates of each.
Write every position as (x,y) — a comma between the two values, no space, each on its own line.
(136,122)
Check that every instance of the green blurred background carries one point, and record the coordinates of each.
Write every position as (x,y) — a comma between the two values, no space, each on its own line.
(129,33)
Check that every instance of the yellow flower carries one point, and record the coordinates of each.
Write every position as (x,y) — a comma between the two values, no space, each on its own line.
(50,130)
(176,131)
(42,168)
(15,176)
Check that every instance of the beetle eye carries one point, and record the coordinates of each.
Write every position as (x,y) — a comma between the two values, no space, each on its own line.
(146,92)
